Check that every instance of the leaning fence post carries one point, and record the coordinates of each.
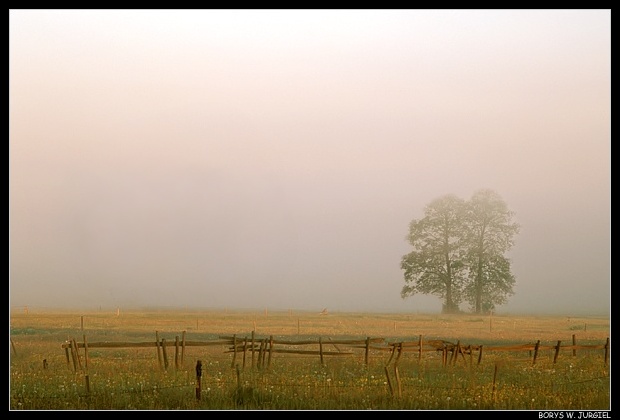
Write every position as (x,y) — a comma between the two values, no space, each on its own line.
(389,382)
(77,353)
(392,352)
(398,384)
(480,354)
(72,348)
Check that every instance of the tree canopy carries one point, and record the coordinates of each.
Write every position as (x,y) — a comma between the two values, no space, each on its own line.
(458,252)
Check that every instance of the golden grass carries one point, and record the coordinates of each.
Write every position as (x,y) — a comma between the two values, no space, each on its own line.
(129,378)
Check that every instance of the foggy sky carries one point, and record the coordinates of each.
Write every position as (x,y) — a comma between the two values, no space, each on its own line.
(274,158)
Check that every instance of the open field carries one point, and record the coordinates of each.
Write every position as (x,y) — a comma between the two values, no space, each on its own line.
(42,377)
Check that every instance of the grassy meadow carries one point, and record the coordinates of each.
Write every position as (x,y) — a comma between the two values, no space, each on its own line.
(42,377)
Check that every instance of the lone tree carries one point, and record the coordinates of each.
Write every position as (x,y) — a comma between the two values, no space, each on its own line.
(458,249)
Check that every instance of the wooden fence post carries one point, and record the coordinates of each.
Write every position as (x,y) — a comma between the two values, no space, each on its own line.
(557,351)
(72,349)
(85,353)
(420,349)
(389,382)
(480,354)
(444,355)
(536,352)
(198,379)
(158,350)
(13,348)
(238,381)
(270,350)
(259,362)
(252,349)
(165,353)
(455,353)
(392,352)
(606,359)
(234,358)
(574,344)
(321,349)
(182,348)
(398,383)
(67,353)
(400,352)
(367,350)
(176,352)
(77,353)
(245,349)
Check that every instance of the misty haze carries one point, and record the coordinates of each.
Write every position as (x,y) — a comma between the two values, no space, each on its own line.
(275,158)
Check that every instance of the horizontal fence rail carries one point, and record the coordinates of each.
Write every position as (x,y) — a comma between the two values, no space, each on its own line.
(266,346)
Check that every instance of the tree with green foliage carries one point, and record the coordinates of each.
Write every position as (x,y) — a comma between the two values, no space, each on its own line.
(489,233)
(435,266)
(458,252)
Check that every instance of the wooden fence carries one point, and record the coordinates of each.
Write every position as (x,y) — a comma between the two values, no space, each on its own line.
(261,349)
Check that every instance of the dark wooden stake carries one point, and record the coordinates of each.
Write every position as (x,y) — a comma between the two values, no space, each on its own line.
(420,349)
(557,351)
(182,348)
(157,345)
(176,352)
(165,353)
(574,344)
(234,358)
(198,379)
